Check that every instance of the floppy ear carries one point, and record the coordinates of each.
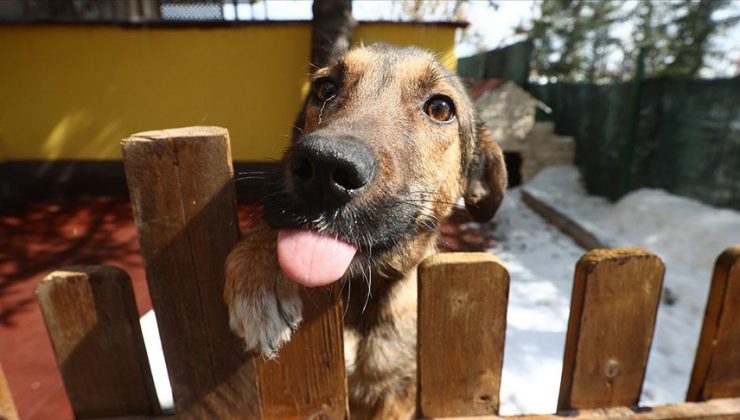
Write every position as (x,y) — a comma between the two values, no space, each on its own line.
(486,177)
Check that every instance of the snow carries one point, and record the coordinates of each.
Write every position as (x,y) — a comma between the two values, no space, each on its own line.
(540,260)
(686,234)
(153,345)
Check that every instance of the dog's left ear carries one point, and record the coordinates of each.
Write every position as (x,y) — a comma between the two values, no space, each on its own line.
(486,177)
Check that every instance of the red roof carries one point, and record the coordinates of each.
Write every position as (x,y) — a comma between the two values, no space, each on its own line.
(479,87)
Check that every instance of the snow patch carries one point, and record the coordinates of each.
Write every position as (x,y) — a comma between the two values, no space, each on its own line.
(150,332)
(688,236)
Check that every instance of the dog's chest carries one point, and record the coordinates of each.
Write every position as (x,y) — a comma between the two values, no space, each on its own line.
(381,357)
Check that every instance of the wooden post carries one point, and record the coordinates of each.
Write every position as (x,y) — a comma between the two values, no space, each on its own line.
(461,327)
(7,406)
(91,317)
(307,380)
(184,206)
(716,372)
(612,317)
(565,223)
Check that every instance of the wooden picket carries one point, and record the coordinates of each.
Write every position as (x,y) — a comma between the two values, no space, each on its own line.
(91,317)
(462,312)
(716,372)
(612,317)
(7,406)
(307,379)
(184,207)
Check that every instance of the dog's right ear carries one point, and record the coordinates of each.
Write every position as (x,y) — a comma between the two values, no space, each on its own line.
(486,177)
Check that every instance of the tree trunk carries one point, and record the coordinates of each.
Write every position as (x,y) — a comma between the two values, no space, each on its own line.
(332,30)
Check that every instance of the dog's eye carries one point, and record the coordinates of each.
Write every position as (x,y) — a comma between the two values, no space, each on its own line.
(324,89)
(440,109)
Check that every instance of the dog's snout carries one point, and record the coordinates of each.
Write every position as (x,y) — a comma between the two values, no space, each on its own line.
(331,168)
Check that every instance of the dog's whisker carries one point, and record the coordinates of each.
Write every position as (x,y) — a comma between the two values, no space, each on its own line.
(369,279)
(349,296)
(247,172)
(446,76)
(410,201)
(244,178)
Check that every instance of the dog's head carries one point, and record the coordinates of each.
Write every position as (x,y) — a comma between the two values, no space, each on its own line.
(386,143)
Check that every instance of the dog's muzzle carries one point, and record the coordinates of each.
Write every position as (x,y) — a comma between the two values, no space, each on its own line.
(328,171)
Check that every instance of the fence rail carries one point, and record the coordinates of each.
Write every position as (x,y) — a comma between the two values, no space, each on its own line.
(184,206)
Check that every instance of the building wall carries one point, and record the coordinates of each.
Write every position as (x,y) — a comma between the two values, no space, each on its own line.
(73,92)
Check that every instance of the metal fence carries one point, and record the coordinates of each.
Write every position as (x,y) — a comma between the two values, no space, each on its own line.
(120,11)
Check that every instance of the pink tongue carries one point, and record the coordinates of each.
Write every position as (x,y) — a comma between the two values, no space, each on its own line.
(312,259)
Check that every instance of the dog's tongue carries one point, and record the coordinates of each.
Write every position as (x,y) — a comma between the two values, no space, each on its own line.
(312,259)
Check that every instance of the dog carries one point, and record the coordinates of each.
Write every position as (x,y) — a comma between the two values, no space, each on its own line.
(386,143)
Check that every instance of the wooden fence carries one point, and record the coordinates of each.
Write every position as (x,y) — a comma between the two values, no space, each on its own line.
(185,210)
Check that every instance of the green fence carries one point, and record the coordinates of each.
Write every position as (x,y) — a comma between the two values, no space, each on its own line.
(687,137)
(510,63)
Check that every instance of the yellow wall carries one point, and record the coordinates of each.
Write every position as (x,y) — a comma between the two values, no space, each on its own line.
(73,92)
(440,39)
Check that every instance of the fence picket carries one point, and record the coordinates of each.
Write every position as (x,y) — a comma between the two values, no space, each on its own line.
(716,372)
(612,317)
(307,380)
(462,320)
(90,315)
(7,406)
(184,206)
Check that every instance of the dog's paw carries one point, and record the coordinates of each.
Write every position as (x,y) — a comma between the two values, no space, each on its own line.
(265,307)
(266,321)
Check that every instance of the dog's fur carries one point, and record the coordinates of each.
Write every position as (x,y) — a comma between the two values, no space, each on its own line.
(423,167)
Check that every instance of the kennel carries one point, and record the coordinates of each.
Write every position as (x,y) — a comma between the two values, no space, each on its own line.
(185,210)
(528,145)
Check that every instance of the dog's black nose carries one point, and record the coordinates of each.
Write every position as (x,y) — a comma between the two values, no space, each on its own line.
(331,170)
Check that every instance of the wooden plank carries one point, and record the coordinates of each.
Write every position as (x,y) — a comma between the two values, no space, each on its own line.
(719,409)
(612,317)
(716,372)
(91,317)
(566,225)
(461,327)
(7,406)
(307,379)
(182,193)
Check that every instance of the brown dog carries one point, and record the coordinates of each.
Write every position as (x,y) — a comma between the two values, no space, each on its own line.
(386,143)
